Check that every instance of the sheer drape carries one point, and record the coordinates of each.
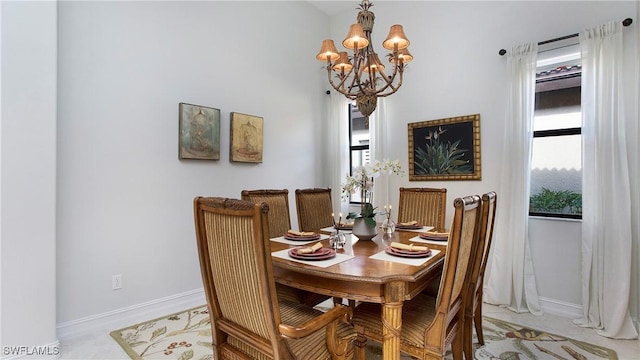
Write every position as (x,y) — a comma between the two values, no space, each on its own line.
(606,216)
(511,279)
(337,147)
(378,150)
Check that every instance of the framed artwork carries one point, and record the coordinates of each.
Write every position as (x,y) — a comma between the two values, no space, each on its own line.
(199,132)
(445,149)
(246,138)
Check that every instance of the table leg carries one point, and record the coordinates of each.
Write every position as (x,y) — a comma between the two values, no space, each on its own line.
(392,320)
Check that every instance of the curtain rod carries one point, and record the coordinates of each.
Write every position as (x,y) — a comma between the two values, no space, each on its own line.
(625,22)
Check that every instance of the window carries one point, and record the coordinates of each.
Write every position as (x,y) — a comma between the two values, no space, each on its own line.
(556,164)
(358,143)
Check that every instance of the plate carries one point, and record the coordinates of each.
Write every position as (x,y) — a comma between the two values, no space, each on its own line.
(321,254)
(301,238)
(443,237)
(408,254)
(408,227)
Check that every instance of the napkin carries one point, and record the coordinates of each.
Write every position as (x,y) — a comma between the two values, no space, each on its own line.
(437,234)
(413,222)
(311,249)
(410,247)
(301,233)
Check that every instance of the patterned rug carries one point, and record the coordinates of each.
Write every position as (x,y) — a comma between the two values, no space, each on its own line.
(187,335)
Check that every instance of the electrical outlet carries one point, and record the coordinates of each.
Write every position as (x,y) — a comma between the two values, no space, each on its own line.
(116,282)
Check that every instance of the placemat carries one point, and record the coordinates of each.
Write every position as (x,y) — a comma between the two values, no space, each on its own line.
(382,255)
(340,257)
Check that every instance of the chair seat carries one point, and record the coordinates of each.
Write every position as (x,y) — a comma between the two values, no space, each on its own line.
(311,347)
(417,315)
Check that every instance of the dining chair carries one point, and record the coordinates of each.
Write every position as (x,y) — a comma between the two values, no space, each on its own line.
(247,320)
(474,298)
(279,220)
(427,206)
(430,324)
(314,208)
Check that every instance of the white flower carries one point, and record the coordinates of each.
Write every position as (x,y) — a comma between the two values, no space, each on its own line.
(362,178)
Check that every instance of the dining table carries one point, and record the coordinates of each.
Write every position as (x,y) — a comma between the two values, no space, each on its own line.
(363,270)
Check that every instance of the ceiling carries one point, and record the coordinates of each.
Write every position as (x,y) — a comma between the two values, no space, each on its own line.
(333,7)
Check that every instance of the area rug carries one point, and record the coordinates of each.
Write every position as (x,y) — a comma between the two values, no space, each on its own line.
(187,335)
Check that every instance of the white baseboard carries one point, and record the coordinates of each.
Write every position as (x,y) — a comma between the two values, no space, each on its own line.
(43,352)
(113,320)
(560,308)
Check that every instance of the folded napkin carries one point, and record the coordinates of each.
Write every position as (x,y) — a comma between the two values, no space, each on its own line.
(410,247)
(409,223)
(301,233)
(436,234)
(311,249)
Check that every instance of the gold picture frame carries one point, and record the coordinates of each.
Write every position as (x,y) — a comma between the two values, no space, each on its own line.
(445,149)
(199,132)
(246,138)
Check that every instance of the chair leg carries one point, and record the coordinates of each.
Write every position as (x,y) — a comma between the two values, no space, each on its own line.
(360,344)
(457,346)
(477,321)
(467,337)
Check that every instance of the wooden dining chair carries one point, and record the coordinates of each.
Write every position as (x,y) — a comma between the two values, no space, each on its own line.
(474,298)
(247,320)
(427,206)
(314,208)
(278,201)
(279,220)
(430,324)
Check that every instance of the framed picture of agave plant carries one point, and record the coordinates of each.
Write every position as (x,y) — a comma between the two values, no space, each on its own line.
(445,149)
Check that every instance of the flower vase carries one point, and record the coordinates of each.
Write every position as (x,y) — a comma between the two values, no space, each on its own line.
(362,230)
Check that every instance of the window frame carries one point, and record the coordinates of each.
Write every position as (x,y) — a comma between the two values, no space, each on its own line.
(554,133)
(353,147)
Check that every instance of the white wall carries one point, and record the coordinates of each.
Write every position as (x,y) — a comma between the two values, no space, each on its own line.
(125,199)
(28,149)
(457,71)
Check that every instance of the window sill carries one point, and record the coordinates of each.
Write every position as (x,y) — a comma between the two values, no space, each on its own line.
(554,218)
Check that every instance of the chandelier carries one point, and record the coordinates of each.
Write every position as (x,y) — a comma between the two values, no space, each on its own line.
(361,76)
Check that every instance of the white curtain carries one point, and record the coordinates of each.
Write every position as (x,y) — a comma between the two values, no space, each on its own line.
(511,280)
(378,150)
(337,147)
(606,217)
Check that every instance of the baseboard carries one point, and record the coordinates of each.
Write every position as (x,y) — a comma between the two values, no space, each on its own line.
(560,308)
(42,352)
(113,320)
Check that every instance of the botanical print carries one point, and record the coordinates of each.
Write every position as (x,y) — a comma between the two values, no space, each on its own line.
(445,149)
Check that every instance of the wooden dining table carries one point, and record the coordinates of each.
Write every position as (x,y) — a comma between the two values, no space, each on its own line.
(362,278)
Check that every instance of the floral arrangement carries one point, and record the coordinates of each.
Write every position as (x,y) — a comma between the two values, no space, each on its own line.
(362,180)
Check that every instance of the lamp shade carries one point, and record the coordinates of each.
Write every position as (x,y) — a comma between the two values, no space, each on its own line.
(403,55)
(343,63)
(328,51)
(355,38)
(396,36)
(374,64)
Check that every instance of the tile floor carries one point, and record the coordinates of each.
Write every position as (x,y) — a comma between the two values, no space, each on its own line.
(100,345)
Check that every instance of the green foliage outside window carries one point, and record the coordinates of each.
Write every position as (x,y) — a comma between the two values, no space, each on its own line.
(556,201)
